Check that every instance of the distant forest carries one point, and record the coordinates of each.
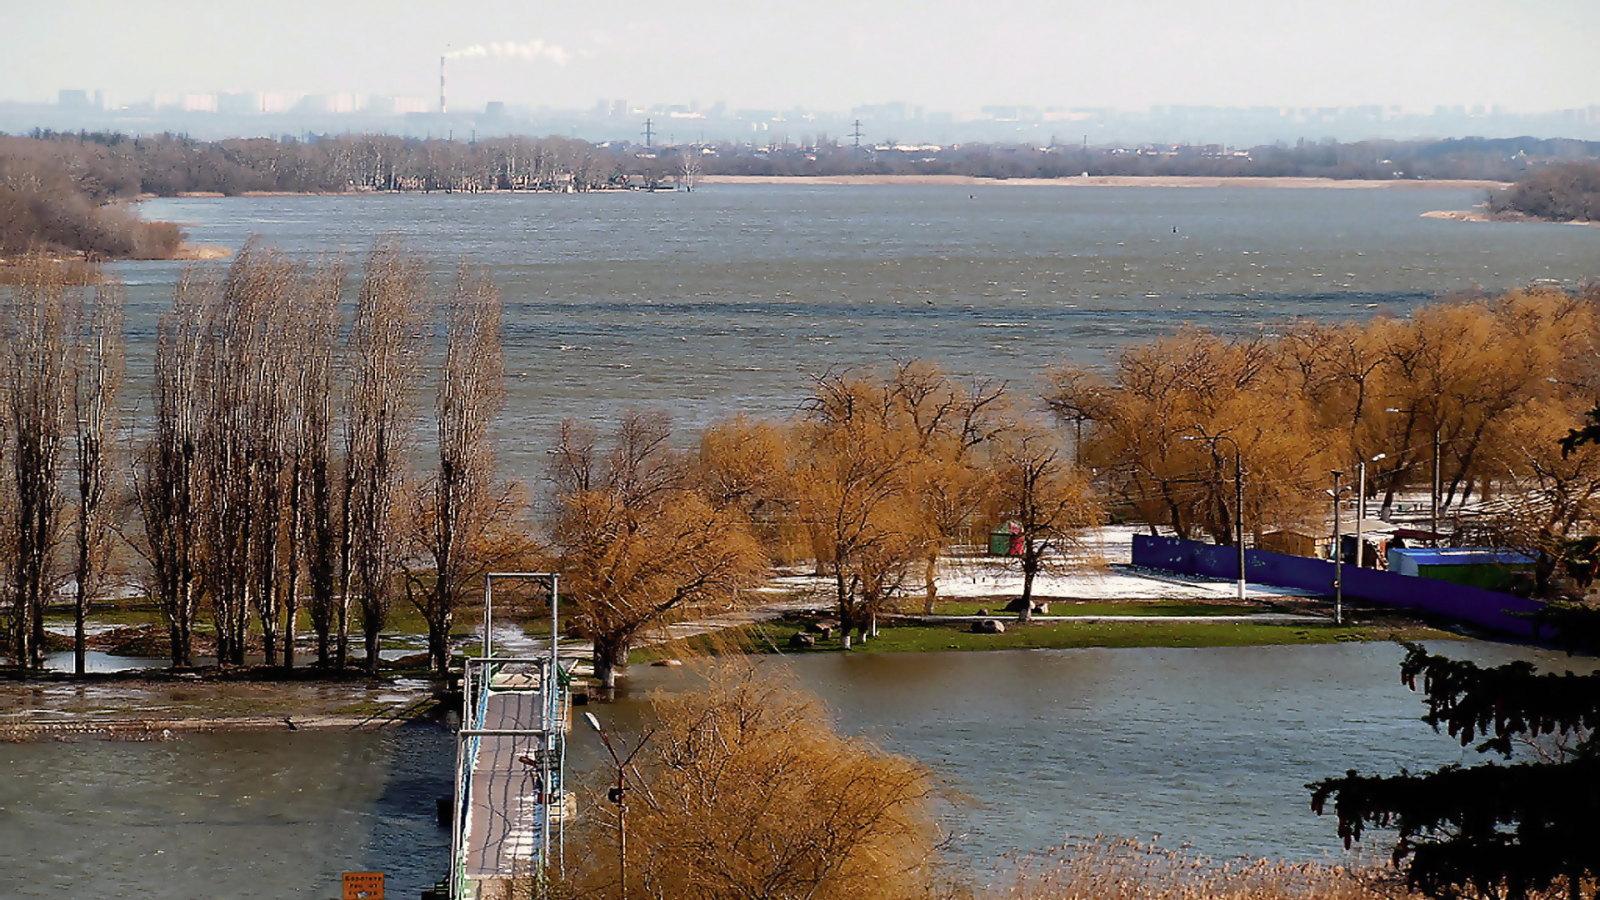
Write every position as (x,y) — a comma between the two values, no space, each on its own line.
(59,192)
(1563,193)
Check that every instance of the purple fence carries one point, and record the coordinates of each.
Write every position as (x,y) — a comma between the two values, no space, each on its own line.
(1488,609)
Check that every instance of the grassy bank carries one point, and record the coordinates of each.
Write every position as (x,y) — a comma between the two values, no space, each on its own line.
(1146,625)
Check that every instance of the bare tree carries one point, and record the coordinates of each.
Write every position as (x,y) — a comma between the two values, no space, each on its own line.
(1048,499)
(40,317)
(314,492)
(168,480)
(458,507)
(386,343)
(98,371)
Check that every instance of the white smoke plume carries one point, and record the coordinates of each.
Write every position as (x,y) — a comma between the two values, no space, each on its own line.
(529,51)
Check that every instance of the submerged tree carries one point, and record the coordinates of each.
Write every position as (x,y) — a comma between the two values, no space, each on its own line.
(97,367)
(167,478)
(1504,832)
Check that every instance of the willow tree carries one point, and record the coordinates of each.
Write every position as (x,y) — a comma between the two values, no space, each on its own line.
(887,474)
(1049,500)
(640,547)
(744,789)
(387,340)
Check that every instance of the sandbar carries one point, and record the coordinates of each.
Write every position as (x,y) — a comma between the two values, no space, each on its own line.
(1164,181)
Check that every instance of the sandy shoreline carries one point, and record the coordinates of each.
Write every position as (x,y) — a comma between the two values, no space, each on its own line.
(1167,181)
(1479,214)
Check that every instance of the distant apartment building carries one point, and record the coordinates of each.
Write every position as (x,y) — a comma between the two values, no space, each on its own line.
(68,98)
(239,103)
(278,101)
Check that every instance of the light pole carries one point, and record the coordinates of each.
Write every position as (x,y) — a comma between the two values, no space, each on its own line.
(1338,552)
(619,796)
(1361,501)
(1238,492)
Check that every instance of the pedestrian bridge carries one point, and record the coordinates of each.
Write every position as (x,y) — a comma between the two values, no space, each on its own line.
(510,798)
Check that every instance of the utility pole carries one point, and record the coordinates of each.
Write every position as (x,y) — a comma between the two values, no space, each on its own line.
(1338,554)
(1436,486)
(1361,501)
(648,133)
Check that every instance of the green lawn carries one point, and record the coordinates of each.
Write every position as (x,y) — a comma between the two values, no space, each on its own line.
(996,606)
(773,637)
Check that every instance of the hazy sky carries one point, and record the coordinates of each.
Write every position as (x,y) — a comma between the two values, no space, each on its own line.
(1528,55)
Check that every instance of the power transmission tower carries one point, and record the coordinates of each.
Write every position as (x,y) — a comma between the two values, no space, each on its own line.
(857,134)
(648,133)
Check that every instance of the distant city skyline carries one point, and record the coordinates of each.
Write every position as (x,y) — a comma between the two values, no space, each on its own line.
(1521,56)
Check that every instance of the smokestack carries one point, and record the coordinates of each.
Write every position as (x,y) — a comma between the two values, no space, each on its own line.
(442,108)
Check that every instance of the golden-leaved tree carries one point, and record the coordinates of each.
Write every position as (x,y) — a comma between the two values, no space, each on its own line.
(639,546)
(745,790)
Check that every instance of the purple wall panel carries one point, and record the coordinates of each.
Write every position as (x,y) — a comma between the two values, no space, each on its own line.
(1487,609)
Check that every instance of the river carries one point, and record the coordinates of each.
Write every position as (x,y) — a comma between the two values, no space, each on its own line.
(1209,748)
(730,298)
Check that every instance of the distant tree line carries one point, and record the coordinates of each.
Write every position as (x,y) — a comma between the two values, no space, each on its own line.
(1562,193)
(1470,158)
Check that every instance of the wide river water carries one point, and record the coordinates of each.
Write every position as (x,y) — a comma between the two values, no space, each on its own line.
(728,300)
(1205,747)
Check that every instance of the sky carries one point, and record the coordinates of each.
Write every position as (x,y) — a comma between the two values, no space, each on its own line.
(1524,55)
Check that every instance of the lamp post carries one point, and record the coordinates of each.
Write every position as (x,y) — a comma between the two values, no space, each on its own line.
(1361,501)
(1238,492)
(1338,551)
(619,796)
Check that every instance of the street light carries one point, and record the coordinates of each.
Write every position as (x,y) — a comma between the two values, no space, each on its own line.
(1338,550)
(1238,491)
(619,796)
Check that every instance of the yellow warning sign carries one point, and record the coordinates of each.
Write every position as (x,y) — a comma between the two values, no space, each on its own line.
(363,886)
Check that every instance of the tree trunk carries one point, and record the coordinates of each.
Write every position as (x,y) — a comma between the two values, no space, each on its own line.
(610,655)
(370,632)
(80,612)
(439,644)
(1025,614)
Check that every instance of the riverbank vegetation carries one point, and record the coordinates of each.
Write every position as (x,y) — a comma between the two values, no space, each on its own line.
(1568,192)
(63,198)
(120,166)
(287,473)
(1484,387)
